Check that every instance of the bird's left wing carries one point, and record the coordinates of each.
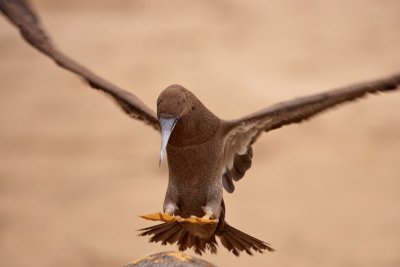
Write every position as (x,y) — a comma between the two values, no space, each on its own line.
(242,133)
(21,14)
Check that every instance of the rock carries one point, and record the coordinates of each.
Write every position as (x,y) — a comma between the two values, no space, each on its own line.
(169,259)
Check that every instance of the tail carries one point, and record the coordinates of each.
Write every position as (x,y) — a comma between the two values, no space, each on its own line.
(170,233)
(231,238)
(236,241)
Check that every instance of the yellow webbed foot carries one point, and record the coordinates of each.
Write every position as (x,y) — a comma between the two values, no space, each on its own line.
(164,217)
(203,220)
(200,220)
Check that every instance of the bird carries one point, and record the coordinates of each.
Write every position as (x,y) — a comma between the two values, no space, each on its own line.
(206,155)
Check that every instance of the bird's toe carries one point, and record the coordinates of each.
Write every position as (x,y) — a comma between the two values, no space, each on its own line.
(164,217)
(200,220)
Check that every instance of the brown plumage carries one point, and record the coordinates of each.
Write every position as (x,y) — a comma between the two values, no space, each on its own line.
(186,235)
(205,153)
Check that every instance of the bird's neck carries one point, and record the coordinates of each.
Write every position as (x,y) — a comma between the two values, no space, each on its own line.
(197,127)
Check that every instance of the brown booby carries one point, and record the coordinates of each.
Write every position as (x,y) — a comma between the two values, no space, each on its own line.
(205,153)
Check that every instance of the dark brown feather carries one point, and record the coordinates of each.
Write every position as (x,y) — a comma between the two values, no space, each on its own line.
(245,131)
(237,241)
(232,239)
(253,242)
(227,182)
(211,245)
(241,164)
(21,14)
(174,233)
(185,242)
(303,108)
(175,236)
(228,245)
(165,236)
(157,229)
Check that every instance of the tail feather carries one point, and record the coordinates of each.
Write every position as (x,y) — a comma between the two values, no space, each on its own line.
(255,243)
(162,232)
(161,236)
(227,243)
(170,233)
(231,238)
(157,229)
(174,237)
(185,241)
(237,244)
(237,241)
(165,237)
(211,245)
(200,246)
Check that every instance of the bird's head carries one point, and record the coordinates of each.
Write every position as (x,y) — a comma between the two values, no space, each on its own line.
(179,110)
(174,103)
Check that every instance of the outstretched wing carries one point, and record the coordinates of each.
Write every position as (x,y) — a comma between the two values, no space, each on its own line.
(21,14)
(242,133)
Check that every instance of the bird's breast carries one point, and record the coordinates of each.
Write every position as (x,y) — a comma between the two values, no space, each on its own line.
(194,172)
(195,164)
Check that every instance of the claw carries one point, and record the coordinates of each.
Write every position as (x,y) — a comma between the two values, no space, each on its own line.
(169,212)
(168,218)
(203,220)
(208,215)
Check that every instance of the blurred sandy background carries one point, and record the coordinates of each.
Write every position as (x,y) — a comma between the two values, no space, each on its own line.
(75,172)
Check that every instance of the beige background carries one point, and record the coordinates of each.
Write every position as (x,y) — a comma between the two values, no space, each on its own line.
(75,172)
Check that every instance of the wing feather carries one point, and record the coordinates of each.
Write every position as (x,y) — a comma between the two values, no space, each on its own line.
(242,133)
(21,14)
(303,108)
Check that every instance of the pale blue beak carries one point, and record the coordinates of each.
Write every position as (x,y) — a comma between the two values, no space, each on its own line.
(167,125)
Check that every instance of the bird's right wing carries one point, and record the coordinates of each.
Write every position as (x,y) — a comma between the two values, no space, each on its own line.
(242,133)
(21,14)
